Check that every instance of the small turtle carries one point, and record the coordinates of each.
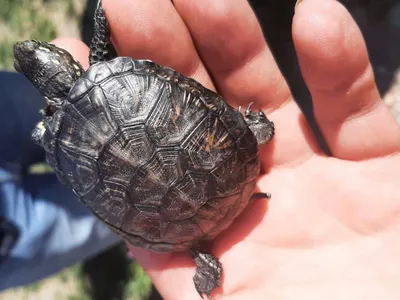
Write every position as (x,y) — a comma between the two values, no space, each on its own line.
(166,163)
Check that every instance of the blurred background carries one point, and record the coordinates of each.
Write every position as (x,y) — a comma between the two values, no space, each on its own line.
(111,275)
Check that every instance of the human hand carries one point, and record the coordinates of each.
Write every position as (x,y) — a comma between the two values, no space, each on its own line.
(332,227)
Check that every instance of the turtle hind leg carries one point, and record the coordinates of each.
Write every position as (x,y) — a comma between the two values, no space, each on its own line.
(262,128)
(101,48)
(208,272)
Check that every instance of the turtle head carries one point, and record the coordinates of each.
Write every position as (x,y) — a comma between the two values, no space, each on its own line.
(52,70)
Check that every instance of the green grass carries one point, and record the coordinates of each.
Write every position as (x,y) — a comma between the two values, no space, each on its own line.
(24,20)
(6,55)
(140,287)
(110,275)
(71,10)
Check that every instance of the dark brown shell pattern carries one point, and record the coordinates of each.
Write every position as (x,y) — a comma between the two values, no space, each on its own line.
(164,161)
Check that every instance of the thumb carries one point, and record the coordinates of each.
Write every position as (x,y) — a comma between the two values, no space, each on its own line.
(77,48)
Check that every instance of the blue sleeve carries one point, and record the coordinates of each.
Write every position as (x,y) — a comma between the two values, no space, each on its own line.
(56,230)
(20,103)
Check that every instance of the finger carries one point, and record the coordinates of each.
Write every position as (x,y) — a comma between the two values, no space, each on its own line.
(171,273)
(231,44)
(140,31)
(335,64)
(77,49)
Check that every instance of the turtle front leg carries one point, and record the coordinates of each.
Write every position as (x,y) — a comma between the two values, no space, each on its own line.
(101,47)
(38,132)
(208,272)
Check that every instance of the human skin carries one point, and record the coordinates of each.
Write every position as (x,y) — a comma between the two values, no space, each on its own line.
(332,227)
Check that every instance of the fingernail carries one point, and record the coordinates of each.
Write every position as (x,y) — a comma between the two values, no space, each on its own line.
(298,2)
(130,255)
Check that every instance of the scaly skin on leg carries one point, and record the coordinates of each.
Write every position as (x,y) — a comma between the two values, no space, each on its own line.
(208,272)
(101,48)
(260,125)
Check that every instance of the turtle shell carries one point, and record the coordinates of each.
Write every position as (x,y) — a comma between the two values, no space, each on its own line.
(162,160)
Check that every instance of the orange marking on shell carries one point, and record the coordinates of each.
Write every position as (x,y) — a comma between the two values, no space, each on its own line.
(211,137)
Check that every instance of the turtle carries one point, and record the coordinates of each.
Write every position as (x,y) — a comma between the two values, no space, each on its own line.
(164,162)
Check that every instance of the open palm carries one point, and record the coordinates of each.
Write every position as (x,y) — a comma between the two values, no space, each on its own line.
(332,227)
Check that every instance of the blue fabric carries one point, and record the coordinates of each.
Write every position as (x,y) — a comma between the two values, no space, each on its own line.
(56,230)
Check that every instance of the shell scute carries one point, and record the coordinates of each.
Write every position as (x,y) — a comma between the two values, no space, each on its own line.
(225,181)
(182,231)
(78,170)
(124,153)
(209,144)
(82,86)
(173,119)
(132,97)
(144,222)
(185,198)
(98,72)
(121,65)
(108,201)
(153,180)
(212,213)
